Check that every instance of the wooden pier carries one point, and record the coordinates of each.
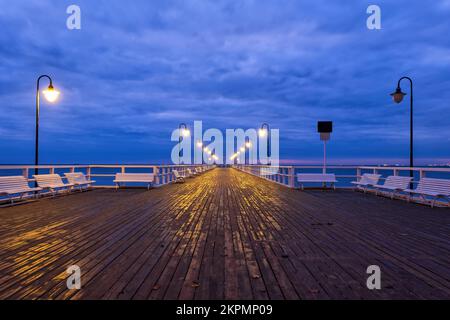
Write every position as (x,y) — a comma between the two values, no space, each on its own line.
(224,235)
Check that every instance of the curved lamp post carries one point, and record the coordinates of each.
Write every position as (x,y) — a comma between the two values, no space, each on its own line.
(183,132)
(214,157)
(398,96)
(50,95)
(200,146)
(247,145)
(264,131)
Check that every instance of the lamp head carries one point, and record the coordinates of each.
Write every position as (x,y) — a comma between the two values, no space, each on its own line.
(51,94)
(185,132)
(199,144)
(262,132)
(398,95)
(248,144)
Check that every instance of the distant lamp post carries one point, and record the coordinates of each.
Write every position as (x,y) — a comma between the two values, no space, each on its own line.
(200,146)
(51,95)
(398,96)
(264,132)
(183,133)
(214,157)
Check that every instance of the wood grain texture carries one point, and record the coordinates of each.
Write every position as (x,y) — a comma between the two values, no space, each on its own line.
(224,235)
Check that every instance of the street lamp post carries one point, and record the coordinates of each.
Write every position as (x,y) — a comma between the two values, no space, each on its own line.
(200,145)
(265,132)
(51,95)
(397,96)
(247,146)
(183,132)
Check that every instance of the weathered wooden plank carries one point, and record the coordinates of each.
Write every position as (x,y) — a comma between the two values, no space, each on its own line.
(224,234)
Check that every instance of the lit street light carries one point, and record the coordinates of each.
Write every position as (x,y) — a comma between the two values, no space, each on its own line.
(183,132)
(51,95)
(200,146)
(398,96)
(264,132)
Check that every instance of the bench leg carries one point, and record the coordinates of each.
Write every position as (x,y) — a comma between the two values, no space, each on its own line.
(424,199)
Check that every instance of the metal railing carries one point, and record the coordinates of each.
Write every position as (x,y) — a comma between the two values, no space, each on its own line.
(286,175)
(103,174)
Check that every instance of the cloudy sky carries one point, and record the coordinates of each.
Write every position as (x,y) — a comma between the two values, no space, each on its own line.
(137,69)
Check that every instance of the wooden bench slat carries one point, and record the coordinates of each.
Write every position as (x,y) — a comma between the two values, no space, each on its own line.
(148,178)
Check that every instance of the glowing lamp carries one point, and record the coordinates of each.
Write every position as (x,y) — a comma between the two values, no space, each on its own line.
(51,94)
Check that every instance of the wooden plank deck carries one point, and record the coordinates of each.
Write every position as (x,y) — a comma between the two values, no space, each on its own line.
(224,235)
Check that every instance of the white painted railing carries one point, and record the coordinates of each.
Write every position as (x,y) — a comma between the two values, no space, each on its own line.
(286,175)
(103,174)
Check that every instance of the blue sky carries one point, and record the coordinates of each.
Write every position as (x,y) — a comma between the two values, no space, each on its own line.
(136,70)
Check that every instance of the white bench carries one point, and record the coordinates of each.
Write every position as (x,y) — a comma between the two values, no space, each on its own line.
(52,182)
(190,172)
(12,185)
(393,184)
(367,180)
(78,179)
(317,178)
(432,187)
(122,178)
(199,170)
(178,177)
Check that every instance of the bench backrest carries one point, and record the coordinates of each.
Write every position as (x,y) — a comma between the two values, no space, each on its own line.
(48,180)
(76,177)
(397,182)
(316,177)
(441,186)
(136,177)
(13,183)
(176,174)
(369,178)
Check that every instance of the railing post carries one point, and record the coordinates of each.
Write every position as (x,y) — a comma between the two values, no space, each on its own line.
(291,177)
(164,175)
(156,173)
(88,173)
(422,174)
(25,173)
(122,169)
(358,173)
